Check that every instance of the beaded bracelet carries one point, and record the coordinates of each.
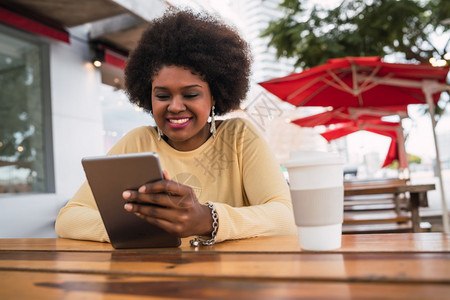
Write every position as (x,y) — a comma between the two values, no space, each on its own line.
(208,242)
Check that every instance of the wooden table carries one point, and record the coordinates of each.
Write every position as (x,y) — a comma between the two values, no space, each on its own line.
(417,194)
(387,266)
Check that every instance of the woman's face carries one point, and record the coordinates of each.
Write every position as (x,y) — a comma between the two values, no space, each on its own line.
(181,104)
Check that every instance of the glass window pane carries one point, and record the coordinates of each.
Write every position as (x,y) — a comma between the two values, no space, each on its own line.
(120,116)
(22,159)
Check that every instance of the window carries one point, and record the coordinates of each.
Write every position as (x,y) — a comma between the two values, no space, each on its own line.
(120,116)
(25,118)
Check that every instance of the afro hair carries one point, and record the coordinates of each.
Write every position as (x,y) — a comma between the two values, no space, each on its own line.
(198,41)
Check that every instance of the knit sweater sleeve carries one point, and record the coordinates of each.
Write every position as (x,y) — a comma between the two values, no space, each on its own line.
(267,208)
(80,219)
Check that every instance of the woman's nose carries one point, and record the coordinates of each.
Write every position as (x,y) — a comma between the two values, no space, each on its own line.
(176,105)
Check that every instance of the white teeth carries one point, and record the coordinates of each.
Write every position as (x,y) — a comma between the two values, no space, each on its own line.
(178,121)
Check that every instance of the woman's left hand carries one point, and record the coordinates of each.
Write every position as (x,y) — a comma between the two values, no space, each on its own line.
(171,206)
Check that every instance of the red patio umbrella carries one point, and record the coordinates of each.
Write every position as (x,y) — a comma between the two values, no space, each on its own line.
(350,120)
(345,114)
(367,82)
(389,129)
(357,82)
(335,116)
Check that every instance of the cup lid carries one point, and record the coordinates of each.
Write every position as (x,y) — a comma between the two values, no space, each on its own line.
(312,158)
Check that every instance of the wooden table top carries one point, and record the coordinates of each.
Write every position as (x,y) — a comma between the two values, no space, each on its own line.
(419,242)
(388,266)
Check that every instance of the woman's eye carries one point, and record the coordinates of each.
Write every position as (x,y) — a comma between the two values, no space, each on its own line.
(161,96)
(190,95)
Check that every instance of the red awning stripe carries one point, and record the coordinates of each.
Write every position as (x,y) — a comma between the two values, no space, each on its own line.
(115,59)
(13,19)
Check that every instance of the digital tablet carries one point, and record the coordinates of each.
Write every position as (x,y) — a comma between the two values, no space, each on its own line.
(110,175)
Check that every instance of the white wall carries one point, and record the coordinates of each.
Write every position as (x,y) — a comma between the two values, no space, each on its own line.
(77,132)
(28,216)
(76,113)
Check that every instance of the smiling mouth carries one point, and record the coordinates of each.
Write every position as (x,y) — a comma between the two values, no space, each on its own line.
(178,121)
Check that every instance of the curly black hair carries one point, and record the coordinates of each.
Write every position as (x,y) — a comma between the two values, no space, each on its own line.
(198,41)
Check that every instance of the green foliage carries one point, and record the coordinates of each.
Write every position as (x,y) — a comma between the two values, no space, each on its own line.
(359,28)
(412,159)
(393,165)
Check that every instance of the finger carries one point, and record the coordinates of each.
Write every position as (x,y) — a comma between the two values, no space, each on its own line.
(163,224)
(153,211)
(130,195)
(165,186)
(139,209)
(166,175)
(162,200)
(172,216)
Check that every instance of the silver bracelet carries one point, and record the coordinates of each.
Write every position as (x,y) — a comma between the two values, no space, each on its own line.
(208,242)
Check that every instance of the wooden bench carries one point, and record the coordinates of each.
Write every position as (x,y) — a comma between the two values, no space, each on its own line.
(375,206)
(391,201)
(383,228)
(363,206)
(372,182)
(375,217)
(368,203)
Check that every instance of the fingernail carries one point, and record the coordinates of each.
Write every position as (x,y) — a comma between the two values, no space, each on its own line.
(126,194)
(142,189)
(128,206)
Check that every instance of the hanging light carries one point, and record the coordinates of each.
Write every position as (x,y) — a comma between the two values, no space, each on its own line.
(97,55)
(97,63)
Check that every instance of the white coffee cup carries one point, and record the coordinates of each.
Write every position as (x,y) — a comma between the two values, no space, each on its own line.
(316,182)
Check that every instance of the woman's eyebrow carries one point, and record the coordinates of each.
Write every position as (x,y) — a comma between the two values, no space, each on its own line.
(184,87)
(159,88)
(191,86)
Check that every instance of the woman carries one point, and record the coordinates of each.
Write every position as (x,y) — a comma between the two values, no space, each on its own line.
(226,184)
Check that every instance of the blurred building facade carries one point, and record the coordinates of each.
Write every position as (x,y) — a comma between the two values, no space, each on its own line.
(252,18)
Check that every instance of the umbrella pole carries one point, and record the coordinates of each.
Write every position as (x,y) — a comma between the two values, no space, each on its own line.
(445,220)
(402,155)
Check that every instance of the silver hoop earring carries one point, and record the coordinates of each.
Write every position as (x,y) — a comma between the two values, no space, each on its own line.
(160,133)
(212,128)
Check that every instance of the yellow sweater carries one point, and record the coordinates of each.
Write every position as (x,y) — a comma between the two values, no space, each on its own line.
(236,172)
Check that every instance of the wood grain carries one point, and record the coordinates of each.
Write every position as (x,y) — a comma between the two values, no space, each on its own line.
(367,267)
(82,286)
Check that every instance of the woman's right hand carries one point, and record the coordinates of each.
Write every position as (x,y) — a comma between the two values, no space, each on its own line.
(171,206)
